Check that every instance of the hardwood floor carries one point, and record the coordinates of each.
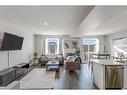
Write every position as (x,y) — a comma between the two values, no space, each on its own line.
(74,79)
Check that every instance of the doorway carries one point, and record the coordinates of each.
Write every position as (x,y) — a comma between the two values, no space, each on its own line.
(90,46)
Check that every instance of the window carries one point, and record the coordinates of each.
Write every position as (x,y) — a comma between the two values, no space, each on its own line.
(119,47)
(52,45)
(92,44)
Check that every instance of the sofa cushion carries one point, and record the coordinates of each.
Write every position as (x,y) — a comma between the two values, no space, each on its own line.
(43,57)
(73,58)
(60,57)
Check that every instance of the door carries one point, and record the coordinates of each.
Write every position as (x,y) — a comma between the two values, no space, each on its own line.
(90,46)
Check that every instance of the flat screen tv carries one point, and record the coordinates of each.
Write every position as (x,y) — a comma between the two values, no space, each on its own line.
(11,42)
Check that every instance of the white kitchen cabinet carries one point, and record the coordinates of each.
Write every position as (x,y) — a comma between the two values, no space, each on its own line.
(99,75)
(104,74)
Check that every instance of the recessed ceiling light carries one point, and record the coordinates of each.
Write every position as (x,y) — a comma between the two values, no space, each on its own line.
(45,23)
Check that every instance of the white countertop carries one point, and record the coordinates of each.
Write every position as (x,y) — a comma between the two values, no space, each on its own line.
(108,62)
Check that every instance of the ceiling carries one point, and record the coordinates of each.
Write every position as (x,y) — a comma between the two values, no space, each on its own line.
(104,20)
(60,20)
(66,20)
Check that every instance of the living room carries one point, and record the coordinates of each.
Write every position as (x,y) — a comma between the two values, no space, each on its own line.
(60,43)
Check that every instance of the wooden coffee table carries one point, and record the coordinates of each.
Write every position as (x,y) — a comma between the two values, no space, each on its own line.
(52,65)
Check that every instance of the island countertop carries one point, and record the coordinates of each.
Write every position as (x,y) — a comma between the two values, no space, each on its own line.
(108,62)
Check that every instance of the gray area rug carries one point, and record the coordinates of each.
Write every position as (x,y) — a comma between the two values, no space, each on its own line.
(38,78)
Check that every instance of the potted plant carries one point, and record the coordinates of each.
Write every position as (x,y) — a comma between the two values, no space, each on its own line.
(35,55)
(35,60)
(77,52)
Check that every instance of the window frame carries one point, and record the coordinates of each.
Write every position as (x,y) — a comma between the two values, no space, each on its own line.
(46,45)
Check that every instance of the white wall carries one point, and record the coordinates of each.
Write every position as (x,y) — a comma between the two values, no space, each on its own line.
(17,56)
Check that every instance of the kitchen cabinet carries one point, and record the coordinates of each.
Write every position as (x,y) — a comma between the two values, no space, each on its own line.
(108,74)
(98,75)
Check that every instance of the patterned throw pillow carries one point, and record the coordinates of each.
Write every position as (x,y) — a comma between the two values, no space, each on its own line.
(68,58)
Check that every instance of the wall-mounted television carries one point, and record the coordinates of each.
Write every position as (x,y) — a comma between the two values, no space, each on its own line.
(11,42)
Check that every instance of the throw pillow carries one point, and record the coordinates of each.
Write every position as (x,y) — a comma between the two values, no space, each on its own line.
(68,58)
(43,57)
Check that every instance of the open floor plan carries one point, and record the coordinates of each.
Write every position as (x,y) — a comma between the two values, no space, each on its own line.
(63,47)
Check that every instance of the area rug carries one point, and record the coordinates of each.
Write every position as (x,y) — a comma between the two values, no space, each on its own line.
(38,78)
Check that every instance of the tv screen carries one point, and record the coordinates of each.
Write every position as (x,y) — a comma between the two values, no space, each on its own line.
(11,42)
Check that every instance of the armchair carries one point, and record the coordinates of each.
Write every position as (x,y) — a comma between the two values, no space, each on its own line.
(74,64)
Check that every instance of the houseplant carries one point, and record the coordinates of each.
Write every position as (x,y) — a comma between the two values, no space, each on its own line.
(35,55)
(77,52)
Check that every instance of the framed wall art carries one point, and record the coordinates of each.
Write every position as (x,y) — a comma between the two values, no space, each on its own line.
(66,44)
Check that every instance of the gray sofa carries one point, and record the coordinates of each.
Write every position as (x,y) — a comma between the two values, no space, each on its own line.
(44,59)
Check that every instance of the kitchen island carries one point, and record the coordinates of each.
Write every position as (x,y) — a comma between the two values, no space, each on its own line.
(109,74)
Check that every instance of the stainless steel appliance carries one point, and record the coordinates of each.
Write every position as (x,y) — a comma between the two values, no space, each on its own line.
(114,77)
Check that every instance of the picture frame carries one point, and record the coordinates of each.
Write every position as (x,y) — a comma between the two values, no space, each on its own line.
(66,44)
(74,44)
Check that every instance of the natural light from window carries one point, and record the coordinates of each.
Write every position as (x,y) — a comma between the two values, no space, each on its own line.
(52,46)
(92,43)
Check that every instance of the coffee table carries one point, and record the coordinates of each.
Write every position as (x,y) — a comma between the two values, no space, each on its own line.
(52,65)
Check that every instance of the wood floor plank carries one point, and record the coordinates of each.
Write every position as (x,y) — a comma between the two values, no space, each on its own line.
(74,79)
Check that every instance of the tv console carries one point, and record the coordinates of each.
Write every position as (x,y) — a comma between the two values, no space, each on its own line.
(9,75)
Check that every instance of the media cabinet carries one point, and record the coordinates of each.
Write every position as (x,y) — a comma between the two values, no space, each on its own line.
(9,75)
